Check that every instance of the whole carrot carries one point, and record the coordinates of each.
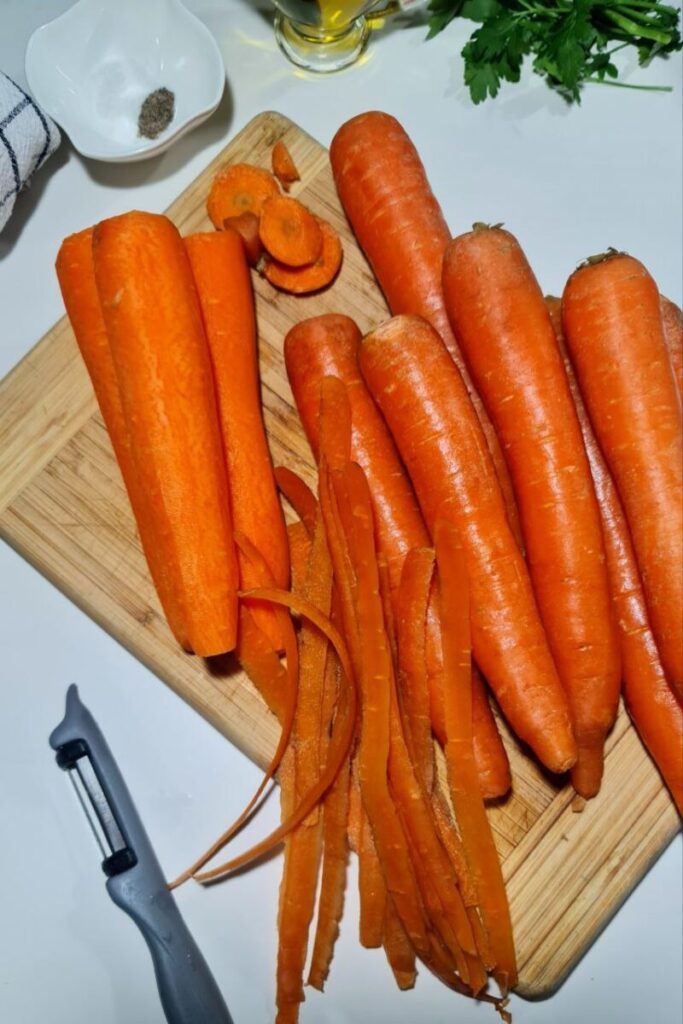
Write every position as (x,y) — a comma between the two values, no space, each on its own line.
(328,346)
(425,404)
(400,227)
(613,329)
(76,274)
(672,322)
(655,710)
(499,316)
(226,297)
(154,323)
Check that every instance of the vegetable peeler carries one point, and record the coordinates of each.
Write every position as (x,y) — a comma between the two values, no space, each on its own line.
(189,994)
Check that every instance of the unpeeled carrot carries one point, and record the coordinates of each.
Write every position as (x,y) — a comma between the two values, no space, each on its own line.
(500,319)
(237,189)
(160,352)
(328,345)
(76,274)
(424,402)
(400,227)
(672,323)
(613,329)
(313,277)
(226,297)
(284,168)
(247,227)
(470,814)
(654,708)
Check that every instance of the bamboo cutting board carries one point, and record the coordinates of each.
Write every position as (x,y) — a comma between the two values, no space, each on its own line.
(63,507)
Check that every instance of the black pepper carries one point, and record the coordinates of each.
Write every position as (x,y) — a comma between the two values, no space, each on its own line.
(156,113)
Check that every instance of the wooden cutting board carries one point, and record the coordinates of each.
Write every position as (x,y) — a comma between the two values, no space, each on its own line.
(63,507)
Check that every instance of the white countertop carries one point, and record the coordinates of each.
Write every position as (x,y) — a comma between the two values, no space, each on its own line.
(568,182)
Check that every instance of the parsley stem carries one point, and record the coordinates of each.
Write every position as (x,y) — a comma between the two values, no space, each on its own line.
(637,29)
(629,85)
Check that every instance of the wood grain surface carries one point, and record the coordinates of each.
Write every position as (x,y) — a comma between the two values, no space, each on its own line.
(63,507)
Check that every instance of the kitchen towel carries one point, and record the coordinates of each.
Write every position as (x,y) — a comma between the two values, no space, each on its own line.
(27,138)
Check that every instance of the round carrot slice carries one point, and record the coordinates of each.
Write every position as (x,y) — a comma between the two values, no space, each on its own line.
(239,188)
(301,280)
(290,232)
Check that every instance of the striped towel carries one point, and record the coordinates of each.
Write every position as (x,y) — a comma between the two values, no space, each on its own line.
(27,138)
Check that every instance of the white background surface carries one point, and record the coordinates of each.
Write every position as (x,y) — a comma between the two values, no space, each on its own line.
(569,183)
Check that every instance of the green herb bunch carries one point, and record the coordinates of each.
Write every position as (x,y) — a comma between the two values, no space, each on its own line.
(569,41)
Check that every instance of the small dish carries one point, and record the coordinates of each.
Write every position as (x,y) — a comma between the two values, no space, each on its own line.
(92,68)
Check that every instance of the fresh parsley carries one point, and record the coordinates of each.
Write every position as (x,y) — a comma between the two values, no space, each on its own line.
(570,42)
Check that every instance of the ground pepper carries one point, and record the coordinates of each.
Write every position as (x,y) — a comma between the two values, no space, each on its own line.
(156,113)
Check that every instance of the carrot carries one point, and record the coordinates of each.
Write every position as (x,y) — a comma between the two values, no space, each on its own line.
(284,168)
(499,316)
(237,189)
(490,756)
(76,274)
(469,806)
(655,711)
(163,367)
(672,322)
(400,227)
(424,402)
(613,329)
(247,227)
(304,846)
(302,280)
(299,549)
(289,232)
(299,495)
(226,297)
(400,953)
(261,662)
(328,346)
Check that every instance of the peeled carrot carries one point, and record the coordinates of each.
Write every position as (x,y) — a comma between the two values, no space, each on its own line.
(247,227)
(237,189)
(613,329)
(467,801)
(424,402)
(76,274)
(672,322)
(154,323)
(289,232)
(226,297)
(400,227)
(284,168)
(656,712)
(320,273)
(328,346)
(500,319)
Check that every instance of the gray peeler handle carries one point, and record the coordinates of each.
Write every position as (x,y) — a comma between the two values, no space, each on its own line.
(188,992)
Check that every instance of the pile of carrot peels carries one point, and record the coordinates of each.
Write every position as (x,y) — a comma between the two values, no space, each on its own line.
(499,506)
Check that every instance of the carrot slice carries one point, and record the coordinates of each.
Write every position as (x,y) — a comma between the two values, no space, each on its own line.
(246,226)
(355,817)
(239,188)
(470,813)
(289,232)
(299,495)
(302,280)
(304,845)
(284,168)
(400,953)
(261,662)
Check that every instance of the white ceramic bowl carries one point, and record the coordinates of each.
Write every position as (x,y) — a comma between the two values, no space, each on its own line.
(92,67)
